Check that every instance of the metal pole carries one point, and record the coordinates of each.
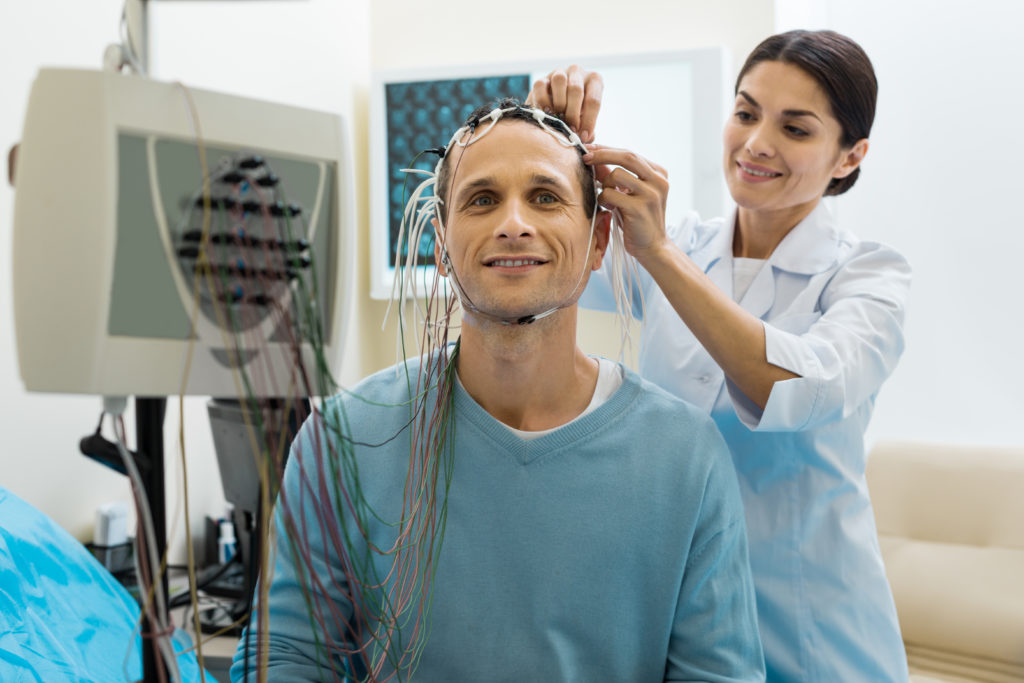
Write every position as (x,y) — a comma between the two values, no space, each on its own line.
(149,439)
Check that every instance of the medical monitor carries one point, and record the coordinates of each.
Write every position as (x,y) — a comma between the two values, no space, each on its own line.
(669,107)
(170,240)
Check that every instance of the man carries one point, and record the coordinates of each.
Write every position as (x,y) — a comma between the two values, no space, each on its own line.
(539,515)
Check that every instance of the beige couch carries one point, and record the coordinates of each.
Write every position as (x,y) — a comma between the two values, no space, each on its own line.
(951,528)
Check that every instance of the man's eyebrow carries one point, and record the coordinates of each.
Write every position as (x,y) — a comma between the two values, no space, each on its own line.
(541,179)
(785,112)
(477,184)
(485,182)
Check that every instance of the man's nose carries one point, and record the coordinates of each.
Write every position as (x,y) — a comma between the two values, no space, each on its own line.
(514,221)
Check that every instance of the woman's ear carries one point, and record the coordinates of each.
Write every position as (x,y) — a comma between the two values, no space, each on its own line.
(851,158)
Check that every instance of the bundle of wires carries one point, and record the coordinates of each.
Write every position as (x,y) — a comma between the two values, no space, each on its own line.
(388,590)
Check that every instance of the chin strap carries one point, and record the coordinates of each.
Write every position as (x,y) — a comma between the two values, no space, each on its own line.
(465,137)
(421,207)
(468,304)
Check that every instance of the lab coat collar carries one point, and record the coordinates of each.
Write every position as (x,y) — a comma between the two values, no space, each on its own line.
(810,247)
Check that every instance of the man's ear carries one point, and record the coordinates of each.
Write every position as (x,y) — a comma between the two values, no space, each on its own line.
(602,229)
(437,250)
(851,158)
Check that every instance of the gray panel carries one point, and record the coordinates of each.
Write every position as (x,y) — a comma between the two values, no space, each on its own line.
(144,302)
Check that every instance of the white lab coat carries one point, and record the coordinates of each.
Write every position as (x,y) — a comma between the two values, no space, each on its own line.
(833,309)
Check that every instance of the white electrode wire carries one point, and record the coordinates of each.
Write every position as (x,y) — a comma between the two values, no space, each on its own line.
(468,304)
(158,625)
(404,286)
(624,275)
(416,217)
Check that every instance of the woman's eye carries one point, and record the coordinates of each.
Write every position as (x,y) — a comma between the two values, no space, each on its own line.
(797,131)
(744,115)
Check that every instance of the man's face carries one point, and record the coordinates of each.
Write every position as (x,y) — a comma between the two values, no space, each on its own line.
(517,233)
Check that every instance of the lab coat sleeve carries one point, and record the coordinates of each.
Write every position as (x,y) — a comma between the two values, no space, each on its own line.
(843,356)
(715,637)
(307,601)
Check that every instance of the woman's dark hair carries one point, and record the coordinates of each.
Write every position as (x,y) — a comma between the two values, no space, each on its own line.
(844,72)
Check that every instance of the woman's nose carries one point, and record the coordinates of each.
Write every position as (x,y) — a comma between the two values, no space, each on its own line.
(760,142)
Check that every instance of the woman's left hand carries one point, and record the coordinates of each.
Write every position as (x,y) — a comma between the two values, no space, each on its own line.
(637,189)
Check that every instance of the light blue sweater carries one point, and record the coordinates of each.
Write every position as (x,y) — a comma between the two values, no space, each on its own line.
(612,549)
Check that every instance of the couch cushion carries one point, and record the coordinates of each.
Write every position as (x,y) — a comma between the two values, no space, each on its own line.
(951,530)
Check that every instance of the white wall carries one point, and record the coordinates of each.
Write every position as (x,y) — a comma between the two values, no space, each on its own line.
(313,54)
(317,54)
(942,183)
(942,164)
(39,460)
(412,34)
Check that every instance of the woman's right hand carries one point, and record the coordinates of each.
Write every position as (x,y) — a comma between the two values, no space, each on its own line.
(637,189)
(574,94)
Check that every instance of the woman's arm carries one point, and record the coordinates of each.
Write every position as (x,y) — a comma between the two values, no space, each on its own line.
(637,189)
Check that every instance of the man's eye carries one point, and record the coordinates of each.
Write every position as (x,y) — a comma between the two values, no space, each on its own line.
(483,200)
(546,198)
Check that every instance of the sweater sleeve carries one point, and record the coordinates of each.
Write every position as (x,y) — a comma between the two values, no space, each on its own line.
(308,604)
(715,637)
(842,354)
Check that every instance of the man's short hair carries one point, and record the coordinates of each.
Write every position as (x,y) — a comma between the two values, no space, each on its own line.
(517,112)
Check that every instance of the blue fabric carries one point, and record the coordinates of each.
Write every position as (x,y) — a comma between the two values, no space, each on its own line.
(63,617)
(832,307)
(611,549)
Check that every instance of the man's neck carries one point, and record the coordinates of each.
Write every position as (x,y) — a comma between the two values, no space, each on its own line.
(530,377)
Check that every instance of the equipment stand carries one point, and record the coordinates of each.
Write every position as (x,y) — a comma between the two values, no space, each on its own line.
(149,439)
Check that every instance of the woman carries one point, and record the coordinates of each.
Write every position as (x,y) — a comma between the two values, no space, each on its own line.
(783,326)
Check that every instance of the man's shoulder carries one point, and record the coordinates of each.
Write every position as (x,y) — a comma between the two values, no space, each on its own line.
(676,441)
(659,402)
(382,392)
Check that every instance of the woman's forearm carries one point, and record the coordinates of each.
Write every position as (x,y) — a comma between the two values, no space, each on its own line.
(733,337)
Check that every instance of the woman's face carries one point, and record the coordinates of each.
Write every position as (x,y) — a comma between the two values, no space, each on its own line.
(782,142)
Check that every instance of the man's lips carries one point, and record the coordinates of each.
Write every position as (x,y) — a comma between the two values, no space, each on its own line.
(513,262)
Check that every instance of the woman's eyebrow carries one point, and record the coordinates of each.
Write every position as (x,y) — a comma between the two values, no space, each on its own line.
(785,112)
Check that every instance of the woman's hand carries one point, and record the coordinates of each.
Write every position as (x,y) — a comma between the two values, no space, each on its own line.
(637,190)
(574,94)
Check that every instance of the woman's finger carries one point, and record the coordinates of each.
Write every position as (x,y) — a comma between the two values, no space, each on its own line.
(540,95)
(573,97)
(593,90)
(558,80)
(631,161)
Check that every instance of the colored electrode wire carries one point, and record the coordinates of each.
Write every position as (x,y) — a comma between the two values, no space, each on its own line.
(425,205)
(391,602)
(389,588)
